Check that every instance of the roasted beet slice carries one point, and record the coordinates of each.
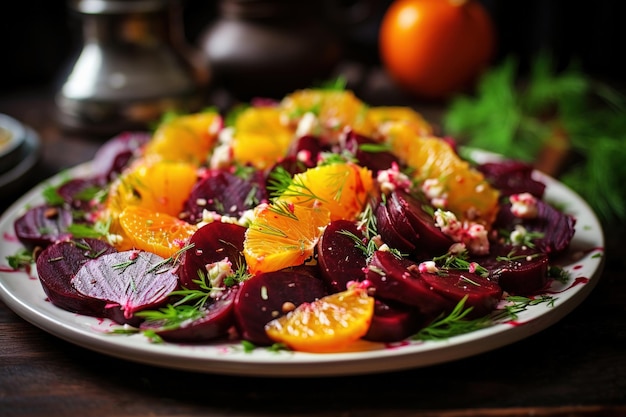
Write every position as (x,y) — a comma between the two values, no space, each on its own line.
(558,228)
(307,150)
(512,177)
(391,234)
(482,294)
(266,296)
(113,156)
(519,270)
(218,317)
(57,265)
(393,322)
(399,280)
(43,225)
(78,192)
(432,241)
(368,152)
(224,193)
(340,260)
(132,280)
(212,243)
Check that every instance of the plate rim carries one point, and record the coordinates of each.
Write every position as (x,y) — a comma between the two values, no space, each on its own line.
(283,364)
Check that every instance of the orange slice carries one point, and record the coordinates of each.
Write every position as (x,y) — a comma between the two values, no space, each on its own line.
(334,109)
(329,324)
(469,195)
(382,116)
(159,185)
(154,232)
(187,138)
(282,235)
(342,188)
(260,139)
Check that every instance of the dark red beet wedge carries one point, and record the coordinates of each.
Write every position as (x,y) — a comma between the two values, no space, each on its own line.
(512,177)
(340,260)
(432,241)
(482,294)
(369,152)
(224,193)
(393,322)
(131,280)
(558,228)
(267,296)
(57,265)
(399,280)
(393,236)
(518,270)
(213,242)
(43,225)
(116,153)
(78,192)
(218,318)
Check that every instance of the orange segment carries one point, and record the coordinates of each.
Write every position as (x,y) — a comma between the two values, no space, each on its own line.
(160,185)
(342,188)
(187,138)
(330,324)
(260,139)
(469,195)
(154,232)
(334,109)
(282,235)
(382,116)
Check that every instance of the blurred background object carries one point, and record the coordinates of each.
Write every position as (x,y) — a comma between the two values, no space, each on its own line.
(41,36)
(132,66)
(268,48)
(436,49)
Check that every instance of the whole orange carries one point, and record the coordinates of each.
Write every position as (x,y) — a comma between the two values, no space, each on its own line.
(435,48)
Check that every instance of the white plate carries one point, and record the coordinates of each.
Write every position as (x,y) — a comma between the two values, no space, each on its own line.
(24,295)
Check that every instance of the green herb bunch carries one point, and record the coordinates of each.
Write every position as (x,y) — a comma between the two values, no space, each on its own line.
(566,112)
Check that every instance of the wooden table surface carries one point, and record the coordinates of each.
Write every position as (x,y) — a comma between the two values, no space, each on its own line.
(576,367)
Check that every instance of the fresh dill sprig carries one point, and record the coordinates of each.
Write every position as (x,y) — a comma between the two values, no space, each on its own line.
(460,261)
(97,230)
(511,256)
(89,251)
(162,266)
(370,242)
(558,274)
(456,322)
(452,324)
(171,316)
(281,183)
(23,258)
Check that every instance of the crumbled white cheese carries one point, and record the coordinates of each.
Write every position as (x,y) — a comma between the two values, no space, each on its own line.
(216,272)
(473,235)
(428,266)
(391,179)
(435,192)
(518,236)
(308,125)
(524,205)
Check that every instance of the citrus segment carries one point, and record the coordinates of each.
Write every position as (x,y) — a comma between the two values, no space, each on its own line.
(160,185)
(383,116)
(187,138)
(329,324)
(282,235)
(154,232)
(342,188)
(334,109)
(259,138)
(469,196)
